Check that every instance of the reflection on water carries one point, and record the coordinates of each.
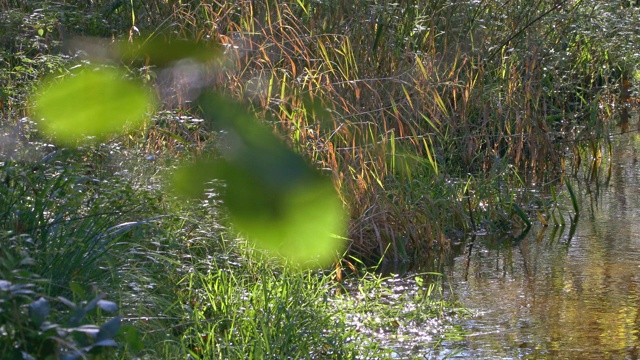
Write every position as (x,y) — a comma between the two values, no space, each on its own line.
(553,295)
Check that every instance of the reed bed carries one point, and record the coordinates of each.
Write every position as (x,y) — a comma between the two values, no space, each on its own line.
(413,108)
(433,118)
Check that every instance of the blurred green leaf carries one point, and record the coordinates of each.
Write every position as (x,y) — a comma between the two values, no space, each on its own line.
(104,343)
(92,103)
(162,53)
(108,306)
(132,338)
(109,329)
(192,180)
(38,311)
(272,194)
(77,316)
(67,302)
(76,289)
(5,285)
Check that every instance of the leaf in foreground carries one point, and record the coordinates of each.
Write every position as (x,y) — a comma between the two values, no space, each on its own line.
(95,103)
(272,194)
(38,311)
(161,52)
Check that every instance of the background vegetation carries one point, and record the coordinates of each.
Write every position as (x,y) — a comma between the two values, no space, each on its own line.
(434,119)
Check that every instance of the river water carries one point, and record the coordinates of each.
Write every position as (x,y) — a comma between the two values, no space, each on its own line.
(558,293)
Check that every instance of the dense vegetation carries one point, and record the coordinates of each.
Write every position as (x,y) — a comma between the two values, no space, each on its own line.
(434,119)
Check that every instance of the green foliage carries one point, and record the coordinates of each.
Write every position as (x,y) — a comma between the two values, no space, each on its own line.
(61,233)
(254,307)
(280,318)
(272,194)
(425,92)
(62,222)
(28,322)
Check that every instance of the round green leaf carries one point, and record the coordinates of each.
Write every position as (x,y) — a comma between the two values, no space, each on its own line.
(96,103)
(302,221)
(273,196)
(108,306)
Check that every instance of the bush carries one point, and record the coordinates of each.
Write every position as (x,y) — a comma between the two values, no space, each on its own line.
(29,328)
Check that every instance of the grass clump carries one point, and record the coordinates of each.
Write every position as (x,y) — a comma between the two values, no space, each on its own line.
(406,106)
(258,308)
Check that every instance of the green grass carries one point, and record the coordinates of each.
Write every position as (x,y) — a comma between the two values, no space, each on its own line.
(184,286)
(232,301)
(424,95)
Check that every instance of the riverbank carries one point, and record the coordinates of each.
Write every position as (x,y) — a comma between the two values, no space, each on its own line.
(100,234)
(101,261)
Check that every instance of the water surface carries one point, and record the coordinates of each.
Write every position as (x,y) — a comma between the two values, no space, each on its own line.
(557,294)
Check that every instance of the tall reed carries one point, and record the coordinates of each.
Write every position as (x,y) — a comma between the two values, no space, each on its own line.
(413,108)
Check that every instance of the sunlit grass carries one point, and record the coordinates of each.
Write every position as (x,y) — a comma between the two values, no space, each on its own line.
(229,300)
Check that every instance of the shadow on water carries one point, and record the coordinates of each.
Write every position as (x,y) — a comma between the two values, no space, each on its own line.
(560,292)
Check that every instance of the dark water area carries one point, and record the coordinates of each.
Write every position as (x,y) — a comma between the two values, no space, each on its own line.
(557,293)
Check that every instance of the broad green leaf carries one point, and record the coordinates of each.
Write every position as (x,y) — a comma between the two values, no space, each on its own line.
(273,196)
(96,103)
(5,285)
(77,289)
(77,316)
(192,180)
(91,305)
(67,302)
(90,330)
(109,329)
(132,338)
(105,343)
(39,311)
(108,306)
